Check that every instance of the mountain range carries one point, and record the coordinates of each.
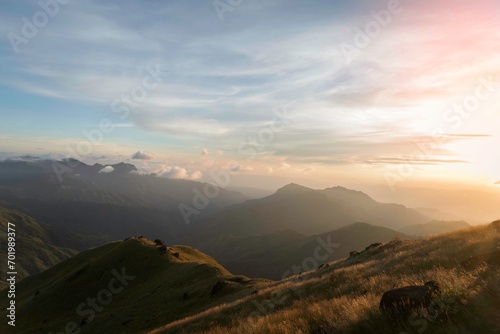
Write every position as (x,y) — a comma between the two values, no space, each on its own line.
(84,208)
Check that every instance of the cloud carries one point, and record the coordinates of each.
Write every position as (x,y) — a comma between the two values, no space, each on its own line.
(140,155)
(221,80)
(240,168)
(25,157)
(284,165)
(177,172)
(106,170)
(412,161)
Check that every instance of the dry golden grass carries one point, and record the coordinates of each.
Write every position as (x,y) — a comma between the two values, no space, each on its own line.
(344,297)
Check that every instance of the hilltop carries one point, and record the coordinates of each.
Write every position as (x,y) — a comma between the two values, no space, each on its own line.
(136,285)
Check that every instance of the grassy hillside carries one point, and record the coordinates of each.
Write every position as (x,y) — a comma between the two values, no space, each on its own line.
(434,227)
(35,249)
(344,297)
(154,288)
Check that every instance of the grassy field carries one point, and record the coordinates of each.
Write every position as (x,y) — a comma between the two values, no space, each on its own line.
(344,297)
(159,288)
(182,290)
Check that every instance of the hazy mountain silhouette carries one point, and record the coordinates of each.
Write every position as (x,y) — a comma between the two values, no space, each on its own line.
(306,211)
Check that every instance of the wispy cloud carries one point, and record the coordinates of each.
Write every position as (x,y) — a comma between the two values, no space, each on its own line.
(140,155)
(225,78)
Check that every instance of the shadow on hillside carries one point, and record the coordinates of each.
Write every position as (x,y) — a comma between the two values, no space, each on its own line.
(487,300)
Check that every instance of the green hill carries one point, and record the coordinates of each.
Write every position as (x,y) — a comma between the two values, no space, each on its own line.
(344,296)
(123,287)
(35,245)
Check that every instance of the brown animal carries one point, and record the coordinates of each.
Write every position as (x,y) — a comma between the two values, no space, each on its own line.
(402,301)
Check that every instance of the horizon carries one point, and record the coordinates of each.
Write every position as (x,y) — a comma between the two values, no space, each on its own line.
(273,93)
(476,206)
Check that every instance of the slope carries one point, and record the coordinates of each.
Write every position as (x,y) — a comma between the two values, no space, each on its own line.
(343,297)
(34,245)
(123,287)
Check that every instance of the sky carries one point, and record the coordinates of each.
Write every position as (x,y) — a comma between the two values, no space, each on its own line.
(317,92)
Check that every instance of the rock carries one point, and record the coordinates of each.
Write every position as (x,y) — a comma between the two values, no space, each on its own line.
(402,301)
(375,245)
(354,253)
(159,242)
(218,287)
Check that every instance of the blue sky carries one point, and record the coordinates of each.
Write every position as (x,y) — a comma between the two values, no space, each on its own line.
(351,116)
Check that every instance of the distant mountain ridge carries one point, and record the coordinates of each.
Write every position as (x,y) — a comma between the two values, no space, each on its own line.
(103,206)
(435,227)
(306,211)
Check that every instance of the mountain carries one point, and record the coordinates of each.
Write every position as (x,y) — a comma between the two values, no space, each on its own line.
(306,211)
(35,245)
(437,214)
(434,227)
(343,296)
(72,196)
(123,287)
(283,253)
(472,205)
(72,180)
